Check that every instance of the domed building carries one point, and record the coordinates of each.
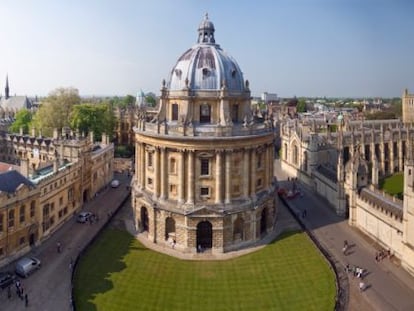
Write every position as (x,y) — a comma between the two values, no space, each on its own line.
(204,164)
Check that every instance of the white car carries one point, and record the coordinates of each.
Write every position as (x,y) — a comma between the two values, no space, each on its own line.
(115,183)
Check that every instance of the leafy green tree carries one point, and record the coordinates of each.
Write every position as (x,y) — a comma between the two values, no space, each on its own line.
(150,100)
(97,118)
(301,105)
(129,100)
(23,119)
(55,110)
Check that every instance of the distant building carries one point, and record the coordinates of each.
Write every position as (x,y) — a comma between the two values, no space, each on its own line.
(269,97)
(10,105)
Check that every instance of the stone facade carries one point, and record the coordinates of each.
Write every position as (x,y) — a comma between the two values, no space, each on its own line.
(345,167)
(204,167)
(407,107)
(60,174)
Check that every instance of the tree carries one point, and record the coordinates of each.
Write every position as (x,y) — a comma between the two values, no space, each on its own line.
(129,100)
(98,118)
(150,100)
(301,105)
(55,110)
(23,119)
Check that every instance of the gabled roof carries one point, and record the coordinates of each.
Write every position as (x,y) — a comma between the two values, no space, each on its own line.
(11,180)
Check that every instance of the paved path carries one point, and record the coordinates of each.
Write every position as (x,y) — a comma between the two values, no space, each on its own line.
(390,286)
(49,289)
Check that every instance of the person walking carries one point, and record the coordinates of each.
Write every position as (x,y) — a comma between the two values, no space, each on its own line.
(58,247)
(26,300)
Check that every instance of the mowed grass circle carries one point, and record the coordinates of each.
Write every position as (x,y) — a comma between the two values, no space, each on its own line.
(119,273)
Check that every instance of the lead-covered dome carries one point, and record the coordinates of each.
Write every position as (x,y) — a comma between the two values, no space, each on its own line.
(206,66)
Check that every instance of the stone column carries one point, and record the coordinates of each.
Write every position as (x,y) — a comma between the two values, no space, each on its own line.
(228,177)
(392,156)
(142,166)
(382,155)
(181,177)
(191,179)
(400,156)
(164,174)
(137,163)
(157,179)
(253,166)
(266,167)
(219,177)
(246,175)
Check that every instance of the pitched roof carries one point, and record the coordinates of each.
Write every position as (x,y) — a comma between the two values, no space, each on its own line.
(11,180)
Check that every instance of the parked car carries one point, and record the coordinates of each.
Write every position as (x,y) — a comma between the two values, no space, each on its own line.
(26,266)
(115,183)
(84,217)
(6,279)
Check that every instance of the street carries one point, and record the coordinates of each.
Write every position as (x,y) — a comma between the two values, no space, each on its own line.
(389,287)
(49,288)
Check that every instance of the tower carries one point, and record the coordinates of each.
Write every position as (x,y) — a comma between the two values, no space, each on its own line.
(407,107)
(6,89)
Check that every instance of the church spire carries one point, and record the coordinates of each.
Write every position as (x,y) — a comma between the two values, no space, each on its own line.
(6,89)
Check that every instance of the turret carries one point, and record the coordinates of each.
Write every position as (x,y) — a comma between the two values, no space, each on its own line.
(6,89)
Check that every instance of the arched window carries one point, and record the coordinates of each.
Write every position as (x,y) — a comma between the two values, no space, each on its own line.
(205,113)
(295,155)
(173,166)
(238,229)
(235,113)
(174,112)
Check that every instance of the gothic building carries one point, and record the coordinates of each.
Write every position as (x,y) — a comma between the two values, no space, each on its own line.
(10,105)
(204,165)
(345,166)
(407,107)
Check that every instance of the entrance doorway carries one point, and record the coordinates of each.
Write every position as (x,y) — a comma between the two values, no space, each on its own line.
(204,235)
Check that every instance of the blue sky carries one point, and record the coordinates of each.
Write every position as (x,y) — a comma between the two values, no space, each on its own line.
(290,47)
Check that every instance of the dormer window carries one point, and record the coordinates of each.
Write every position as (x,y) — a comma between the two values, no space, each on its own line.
(233,73)
(206,73)
(178,73)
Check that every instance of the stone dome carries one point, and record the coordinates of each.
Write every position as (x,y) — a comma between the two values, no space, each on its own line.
(206,66)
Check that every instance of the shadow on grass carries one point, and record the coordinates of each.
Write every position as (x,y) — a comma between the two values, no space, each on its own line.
(96,265)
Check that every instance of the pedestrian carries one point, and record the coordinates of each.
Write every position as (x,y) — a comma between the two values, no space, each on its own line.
(9,292)
(26,300)
(361,286)
(346,243)
(58,247)
(304,213)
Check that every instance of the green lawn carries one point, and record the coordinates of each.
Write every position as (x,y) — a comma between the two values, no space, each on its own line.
(119,273)
(393,185)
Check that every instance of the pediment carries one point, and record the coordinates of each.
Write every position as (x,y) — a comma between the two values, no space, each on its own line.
(206,210)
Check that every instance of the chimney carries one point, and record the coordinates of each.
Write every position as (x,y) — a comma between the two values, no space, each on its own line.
(104,139)
(33,132)
(24,167)
(21,131)
(91,136)
(55,133)
(55,164)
